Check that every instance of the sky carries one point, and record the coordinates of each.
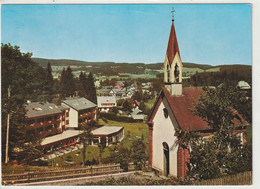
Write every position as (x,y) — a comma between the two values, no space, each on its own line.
(214,34)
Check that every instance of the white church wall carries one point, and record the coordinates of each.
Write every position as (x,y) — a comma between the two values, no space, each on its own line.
(164,131)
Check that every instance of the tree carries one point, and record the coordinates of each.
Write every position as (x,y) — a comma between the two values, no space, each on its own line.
(82,88)
(138,95)
(27,81)
(113,110)
(220,153)
(49,81)
(126,106)
(139,153)
(67,83)
(91,89)
(86,138)
(101,146)
(146,96)
(142,106)
(122,156)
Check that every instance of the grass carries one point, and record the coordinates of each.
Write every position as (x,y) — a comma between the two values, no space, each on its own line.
(150,103)
(132,131)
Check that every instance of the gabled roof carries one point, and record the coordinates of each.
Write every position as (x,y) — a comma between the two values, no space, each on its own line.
(173,47)
(79,103)
(181,107)
(117,91)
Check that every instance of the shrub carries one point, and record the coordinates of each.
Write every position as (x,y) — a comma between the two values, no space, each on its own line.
(112,116)
(38,163)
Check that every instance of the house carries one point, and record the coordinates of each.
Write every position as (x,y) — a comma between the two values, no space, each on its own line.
(97,84)
(119,85)
(109,135)
(243,85)
(171,112)
(129,93)
(81,110)
(118,93)
(137,115)
(104,91)
(135,103)
(105,103)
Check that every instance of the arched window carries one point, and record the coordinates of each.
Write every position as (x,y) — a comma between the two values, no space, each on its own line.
(165,112)
(176,73)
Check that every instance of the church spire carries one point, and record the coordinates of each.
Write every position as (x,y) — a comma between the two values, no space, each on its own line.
(173,64)
(173,46)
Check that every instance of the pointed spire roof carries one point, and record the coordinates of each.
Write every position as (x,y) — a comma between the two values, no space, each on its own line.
(173,47)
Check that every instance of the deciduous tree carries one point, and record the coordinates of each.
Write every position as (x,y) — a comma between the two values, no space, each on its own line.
(221,152)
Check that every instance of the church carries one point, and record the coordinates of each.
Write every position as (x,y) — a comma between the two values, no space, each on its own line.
(171,112)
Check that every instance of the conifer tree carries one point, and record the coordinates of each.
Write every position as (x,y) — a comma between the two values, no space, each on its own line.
(67,83)
(49,82)
(82,88)
(91,89)
(49,77)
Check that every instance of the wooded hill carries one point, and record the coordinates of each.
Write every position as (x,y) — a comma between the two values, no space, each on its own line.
(112,68)
(67,62)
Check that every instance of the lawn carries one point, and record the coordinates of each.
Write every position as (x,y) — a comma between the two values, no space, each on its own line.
(150,103)
(132,131)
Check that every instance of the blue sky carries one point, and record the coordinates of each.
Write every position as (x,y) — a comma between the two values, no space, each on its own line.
(207,34)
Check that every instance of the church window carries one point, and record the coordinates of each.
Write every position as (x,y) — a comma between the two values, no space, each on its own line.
(176,73)
(165,112)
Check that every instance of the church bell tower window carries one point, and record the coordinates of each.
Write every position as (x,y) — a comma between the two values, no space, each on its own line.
(176,73)
(168,73)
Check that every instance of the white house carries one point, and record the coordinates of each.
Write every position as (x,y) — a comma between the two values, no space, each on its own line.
(105,103)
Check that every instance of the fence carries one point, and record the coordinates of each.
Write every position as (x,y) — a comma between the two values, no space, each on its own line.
(244,178)
(28,177)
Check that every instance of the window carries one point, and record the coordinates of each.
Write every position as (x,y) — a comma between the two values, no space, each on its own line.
(165,112)
(168,73)
(176,73)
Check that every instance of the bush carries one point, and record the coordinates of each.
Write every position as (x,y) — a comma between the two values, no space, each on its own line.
(38,163)
(112,116)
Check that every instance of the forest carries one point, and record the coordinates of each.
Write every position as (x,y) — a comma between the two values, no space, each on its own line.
(29,81)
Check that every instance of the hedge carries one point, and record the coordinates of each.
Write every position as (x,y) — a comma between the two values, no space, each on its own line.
(112,116)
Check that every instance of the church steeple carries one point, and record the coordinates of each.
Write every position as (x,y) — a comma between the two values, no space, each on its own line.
(173,65)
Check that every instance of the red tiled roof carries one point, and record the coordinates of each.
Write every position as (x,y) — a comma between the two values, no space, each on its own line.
(182,106)
(173,47)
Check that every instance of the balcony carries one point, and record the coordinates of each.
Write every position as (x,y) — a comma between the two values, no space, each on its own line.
(50,132)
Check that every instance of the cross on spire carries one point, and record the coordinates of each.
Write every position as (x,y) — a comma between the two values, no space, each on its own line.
(172,13)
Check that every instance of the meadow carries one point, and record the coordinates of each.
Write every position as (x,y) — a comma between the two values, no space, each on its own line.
(132,132)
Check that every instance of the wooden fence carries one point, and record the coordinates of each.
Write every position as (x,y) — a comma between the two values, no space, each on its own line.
(244,178)
(28,177)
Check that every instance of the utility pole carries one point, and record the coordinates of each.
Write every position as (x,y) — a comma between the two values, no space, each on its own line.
(8,122)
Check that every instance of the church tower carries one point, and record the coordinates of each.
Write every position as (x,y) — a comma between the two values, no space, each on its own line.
(173,65)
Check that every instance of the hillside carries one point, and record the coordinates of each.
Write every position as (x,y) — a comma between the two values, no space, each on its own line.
(154,66)
(136,69)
